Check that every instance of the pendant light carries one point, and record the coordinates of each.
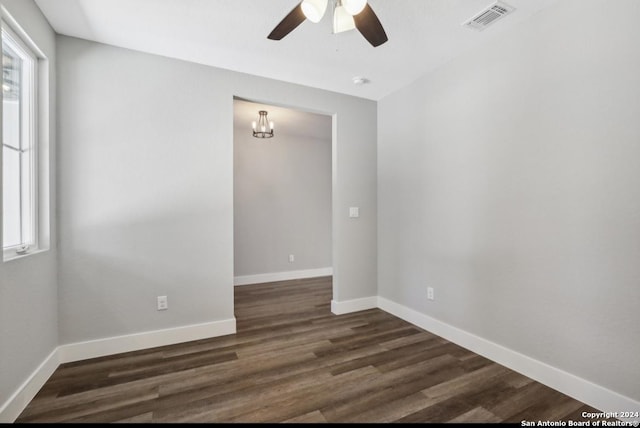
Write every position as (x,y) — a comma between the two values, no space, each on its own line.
(263,128)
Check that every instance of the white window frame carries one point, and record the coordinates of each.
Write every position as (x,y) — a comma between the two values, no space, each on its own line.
(29,139)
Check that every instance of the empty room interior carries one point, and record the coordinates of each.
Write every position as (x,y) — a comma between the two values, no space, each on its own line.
(320,211)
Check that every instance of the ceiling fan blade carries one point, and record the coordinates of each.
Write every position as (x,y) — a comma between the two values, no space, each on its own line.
(370,27)
(288,24)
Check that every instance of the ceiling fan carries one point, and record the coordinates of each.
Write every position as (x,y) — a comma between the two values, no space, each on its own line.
(347,15)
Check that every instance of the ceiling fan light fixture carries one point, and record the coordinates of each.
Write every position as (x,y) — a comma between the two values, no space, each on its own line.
(365,21)
(354,7)
(342,21)
(314,9)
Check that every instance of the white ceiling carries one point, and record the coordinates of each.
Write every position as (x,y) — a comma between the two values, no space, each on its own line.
(290,122)
(232,34)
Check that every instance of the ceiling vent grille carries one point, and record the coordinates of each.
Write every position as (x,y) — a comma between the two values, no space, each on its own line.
(488,16)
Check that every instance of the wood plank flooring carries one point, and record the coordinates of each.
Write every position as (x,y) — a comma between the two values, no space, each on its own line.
(292,360)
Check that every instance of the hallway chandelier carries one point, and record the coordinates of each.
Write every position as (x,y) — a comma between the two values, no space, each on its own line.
(263,128)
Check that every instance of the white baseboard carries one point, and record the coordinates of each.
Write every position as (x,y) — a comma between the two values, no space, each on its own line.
(150,339)
(12,408)
(282,276)
(355,305)
(571,385)
(576,387)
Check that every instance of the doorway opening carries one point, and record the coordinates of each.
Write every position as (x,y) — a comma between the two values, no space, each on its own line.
(282,195)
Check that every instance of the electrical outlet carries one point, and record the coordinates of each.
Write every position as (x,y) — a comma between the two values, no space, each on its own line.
(163,303)
(430,293)
(292,258)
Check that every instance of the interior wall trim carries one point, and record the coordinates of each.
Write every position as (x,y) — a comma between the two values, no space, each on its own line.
(581,389)
(12,408)
(150,339)
(282,276)
(355,305)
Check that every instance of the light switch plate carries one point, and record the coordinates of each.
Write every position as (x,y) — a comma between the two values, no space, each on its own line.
(354,212)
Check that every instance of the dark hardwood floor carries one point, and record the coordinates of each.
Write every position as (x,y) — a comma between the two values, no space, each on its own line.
(293,361)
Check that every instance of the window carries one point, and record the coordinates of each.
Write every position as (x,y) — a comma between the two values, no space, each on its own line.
(19,146)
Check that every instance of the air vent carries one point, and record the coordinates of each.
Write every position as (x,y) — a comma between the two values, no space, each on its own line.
(488,16)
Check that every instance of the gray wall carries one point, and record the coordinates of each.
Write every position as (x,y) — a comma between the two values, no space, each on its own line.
(146,188)
(282,200)
(508,181)
(28,295)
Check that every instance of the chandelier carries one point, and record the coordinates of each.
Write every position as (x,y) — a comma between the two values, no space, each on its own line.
(263,128)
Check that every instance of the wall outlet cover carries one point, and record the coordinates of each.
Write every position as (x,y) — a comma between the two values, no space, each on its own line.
(163,303)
